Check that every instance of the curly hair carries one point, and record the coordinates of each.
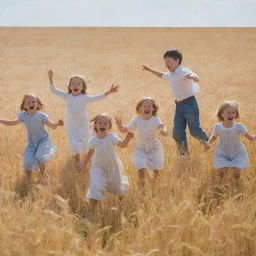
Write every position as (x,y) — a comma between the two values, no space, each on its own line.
(83,82)
(140,103)
(226,105)
(40,104)
(97,117)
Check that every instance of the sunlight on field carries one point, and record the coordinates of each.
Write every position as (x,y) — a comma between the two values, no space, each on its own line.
(184,213)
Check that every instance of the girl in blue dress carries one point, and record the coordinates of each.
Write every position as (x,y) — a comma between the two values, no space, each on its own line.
(39,149)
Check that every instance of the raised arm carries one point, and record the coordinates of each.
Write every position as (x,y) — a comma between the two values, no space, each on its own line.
(53,87)
(120,126)
(10,122)
(53,125)
(125,142)
(154,72)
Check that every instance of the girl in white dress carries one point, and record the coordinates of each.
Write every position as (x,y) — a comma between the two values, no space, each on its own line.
(149,151)
(39,149)
(107,171)
(230,152)
(76,121)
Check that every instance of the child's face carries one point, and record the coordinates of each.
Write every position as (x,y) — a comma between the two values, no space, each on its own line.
(102,125)
(147,108)
(229,114)
(31,104)
(171,63)
(76,86)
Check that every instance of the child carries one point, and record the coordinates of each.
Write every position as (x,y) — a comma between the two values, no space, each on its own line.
(149,151)
(230,152)
(39,149)
(76,122)
(107,171)
(183,83)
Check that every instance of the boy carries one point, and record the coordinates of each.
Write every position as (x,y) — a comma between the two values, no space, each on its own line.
(183,83)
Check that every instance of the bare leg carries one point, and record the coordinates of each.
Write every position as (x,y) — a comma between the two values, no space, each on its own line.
(93,203)
(43,174)
(222,172)
(28,175)
(156,173)
(236,175)
(141,173)
(77,158)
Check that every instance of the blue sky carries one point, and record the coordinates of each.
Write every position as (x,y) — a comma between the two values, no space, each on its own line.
(131,13)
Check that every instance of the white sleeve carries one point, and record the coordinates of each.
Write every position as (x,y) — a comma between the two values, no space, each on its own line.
(158,122)
(166,76)
(241,129)
(186,71)
(91,98)
(44,117)
(58,92)
(21,116)
(91,143)
(215,130)
(133,124)
(115,139)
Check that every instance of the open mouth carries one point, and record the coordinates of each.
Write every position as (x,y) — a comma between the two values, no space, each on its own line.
(146,112)
(102,129)
(31,108)
(230,118)
(75,90)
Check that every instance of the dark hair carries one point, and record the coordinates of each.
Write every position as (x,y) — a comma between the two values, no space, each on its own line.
(140,103)
(173,53)
(96,118)
(226,105)
(40,104)
(83,82)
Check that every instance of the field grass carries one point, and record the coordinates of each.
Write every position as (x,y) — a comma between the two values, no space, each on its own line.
(184,213)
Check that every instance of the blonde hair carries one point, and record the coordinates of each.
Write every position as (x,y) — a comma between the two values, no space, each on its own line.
(226,105)
(84,82)
(40,104)
(97,117)
(140,103)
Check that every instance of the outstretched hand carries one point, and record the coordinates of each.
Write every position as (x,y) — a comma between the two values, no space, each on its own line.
(50,76)
(118,120)
(145,67)
(60,122)
(130,135)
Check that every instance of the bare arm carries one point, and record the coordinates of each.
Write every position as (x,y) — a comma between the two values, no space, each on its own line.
(193,77)
(120,126)
(125,142)
(163,130)
(88,157)
(53,125)
(250,137)
(10,122)
(212,139)
(154,72)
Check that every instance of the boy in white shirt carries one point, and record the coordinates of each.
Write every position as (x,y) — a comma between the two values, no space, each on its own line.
(184,86)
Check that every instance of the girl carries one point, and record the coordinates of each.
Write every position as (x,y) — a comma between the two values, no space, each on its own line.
(39,149)
(107,171)
(149,151)
(230,152)
(76,122)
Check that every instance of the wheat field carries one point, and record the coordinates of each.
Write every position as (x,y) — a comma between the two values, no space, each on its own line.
(184,212)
